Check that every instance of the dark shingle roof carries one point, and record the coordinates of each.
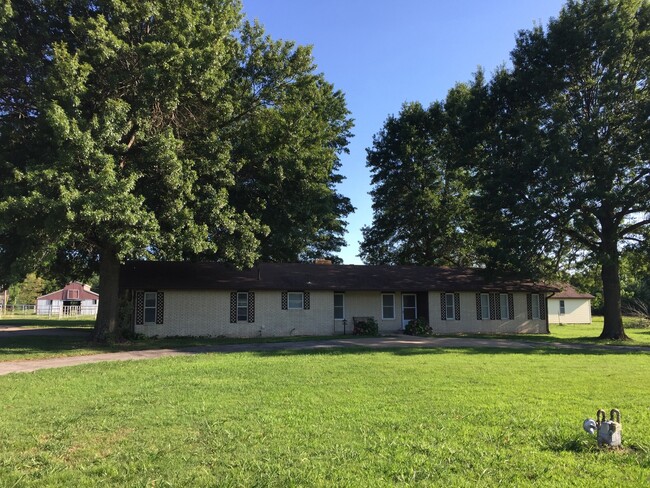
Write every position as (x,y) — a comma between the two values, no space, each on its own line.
(140,275)
(570,292)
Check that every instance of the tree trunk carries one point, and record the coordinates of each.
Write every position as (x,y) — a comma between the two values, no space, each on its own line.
(106,325)
(613,326)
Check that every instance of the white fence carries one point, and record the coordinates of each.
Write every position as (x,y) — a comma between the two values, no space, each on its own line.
(49,310)
(18,309)
(67,310)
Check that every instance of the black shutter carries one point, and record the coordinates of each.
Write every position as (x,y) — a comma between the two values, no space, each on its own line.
(285,301)
(457,306)
(479,316)
(251,307)
(542,307)
(529,306)
(497,306)
(139,308)
(160,308)
(233,307)
(511,306)
(443,306)
(306,301)
(493,307)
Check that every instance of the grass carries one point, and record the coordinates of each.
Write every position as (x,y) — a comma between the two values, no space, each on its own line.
(41,347)
(44,321)
(472,417)
(14,348)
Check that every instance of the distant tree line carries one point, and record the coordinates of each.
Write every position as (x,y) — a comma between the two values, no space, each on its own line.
(542,170)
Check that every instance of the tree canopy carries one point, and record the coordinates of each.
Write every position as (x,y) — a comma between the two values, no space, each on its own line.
(556,148)
(421,202)
(160,130)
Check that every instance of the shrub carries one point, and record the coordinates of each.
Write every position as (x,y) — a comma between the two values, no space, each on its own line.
(368,327)
(418,327)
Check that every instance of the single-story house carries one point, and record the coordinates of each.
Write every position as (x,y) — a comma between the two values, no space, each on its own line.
(212,299)
(73,299)
(569,306)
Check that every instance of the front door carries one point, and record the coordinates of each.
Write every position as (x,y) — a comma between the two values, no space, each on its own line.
(409,308)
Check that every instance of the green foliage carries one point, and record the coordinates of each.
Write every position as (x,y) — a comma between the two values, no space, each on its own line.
(421,206)
(541,169)
(27,291)
(366,327)
(158,130)
(418,327)
(567,160)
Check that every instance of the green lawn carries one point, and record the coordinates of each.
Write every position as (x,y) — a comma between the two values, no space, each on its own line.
(15,348)
(339,418)
(44,321)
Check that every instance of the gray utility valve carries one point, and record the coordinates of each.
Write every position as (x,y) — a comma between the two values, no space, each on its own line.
(608,431)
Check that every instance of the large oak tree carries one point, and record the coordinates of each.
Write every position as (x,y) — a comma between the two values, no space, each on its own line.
(151,129)
(567,157)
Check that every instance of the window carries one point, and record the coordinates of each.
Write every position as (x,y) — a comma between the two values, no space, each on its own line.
(94,302)
(451,308)
(535,305)
(485,306)
(562,308)
(339,306)
(295,300)
(73,294)
(150,302)
(388,306)
(242,306)
(503,302)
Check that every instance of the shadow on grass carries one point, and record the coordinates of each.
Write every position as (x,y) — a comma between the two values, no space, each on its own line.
(45,322)
(27,347)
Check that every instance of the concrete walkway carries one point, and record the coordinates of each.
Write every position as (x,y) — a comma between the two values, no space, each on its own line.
(28,365)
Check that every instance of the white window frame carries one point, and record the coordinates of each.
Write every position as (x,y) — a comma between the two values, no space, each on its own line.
(562,307)
(392,297)
(145,307)
(505,311)
(485,306)
(244,307)
(341,307)
(302,300)
(535,301)
(452,308)
(73,294)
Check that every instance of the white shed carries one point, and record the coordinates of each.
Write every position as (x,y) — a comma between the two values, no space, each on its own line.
(569,306)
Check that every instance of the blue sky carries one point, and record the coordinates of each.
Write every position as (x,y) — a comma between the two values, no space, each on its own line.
(383,53)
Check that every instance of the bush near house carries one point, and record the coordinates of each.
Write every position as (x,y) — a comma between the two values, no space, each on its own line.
(366,326)
(418,327)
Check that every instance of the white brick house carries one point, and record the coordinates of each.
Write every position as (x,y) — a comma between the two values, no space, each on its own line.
(211,299)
